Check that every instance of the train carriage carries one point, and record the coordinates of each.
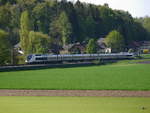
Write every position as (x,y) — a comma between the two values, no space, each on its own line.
(48,58)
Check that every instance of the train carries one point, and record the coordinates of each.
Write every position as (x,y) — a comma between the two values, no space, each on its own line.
(49,58)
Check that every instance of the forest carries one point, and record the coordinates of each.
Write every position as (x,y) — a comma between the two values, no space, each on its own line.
(43,25)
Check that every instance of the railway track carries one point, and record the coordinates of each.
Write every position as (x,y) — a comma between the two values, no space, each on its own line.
(42,66)
(19,67)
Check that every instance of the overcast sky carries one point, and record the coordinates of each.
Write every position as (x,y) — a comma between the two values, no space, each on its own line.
(138,8)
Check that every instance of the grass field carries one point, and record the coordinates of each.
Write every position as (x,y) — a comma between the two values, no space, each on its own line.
(146,56)
(116,77)
(73,105)
(137,61)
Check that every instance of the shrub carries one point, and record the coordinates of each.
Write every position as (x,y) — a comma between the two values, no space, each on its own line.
(146,51)
(130,50)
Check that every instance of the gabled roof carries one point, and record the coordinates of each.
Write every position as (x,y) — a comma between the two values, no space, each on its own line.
(18,45)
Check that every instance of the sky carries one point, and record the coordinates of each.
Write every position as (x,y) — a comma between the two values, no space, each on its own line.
(137,8)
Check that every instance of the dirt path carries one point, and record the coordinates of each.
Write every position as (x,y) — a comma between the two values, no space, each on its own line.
(101,93)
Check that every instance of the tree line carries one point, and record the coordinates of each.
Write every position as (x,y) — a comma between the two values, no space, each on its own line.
(41,25)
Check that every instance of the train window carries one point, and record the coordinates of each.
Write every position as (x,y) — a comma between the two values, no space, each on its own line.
(42,58)
(38,55)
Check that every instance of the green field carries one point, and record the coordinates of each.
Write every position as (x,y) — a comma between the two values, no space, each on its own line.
(73,105)
(115,77)
(146,56)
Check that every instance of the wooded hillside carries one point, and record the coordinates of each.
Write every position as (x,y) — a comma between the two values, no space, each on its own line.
(63,23)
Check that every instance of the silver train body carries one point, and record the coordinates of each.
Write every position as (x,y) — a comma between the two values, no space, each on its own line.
(48,58)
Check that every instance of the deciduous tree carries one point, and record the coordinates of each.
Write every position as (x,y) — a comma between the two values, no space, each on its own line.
(5,49)
(91,46)
(38,43)
(25,28)
(66,28)
(115,41)
(61,29)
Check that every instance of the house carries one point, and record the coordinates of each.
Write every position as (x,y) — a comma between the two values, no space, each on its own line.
(134,45)
(77,48)
(102,48)
(18,49)
(140,46)
(145,47)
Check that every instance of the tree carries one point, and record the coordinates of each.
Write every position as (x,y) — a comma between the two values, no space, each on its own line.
(14,24)
(5,17)
(108,18)
(42,13)
(26,27)
(67,22)
(91,46)
(146,25)
(26,4)
(142,26)
(2,2)
(90,26)
(61,29)
(5,52)
(38,43)
(115,41)
(55,32)
(66,29)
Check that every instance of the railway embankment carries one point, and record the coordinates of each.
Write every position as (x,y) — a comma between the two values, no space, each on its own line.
(44,66)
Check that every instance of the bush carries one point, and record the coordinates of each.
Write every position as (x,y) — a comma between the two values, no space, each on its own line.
(146,51)
(130,50)
(20,60)
(97,62)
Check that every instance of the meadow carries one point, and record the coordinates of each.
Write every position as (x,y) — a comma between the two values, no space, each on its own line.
(121,76)
(74,105)
(145,56)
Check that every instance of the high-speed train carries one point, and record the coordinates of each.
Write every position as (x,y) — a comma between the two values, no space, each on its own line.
(48,58)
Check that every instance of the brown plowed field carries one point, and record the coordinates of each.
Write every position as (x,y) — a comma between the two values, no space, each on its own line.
(101,93)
